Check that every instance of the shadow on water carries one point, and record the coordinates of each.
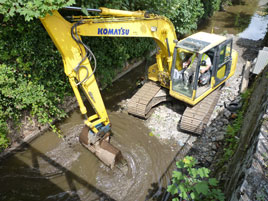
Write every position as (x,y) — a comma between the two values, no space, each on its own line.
(231,22)
(239,21)
(38,186)
(157,190)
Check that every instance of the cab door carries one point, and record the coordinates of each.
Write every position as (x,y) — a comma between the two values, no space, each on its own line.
(223,62)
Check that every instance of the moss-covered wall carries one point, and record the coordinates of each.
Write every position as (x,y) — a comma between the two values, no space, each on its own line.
(248,137)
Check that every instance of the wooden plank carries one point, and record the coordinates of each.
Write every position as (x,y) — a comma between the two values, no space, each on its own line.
(245,78)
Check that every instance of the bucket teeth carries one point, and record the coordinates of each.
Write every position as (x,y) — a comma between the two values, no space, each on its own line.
(83,137)
(102,148)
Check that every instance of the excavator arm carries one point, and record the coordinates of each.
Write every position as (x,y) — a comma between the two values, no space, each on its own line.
(66,37)
(95,135)
(78,68)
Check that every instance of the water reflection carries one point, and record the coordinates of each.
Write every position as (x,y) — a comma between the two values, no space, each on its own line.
(256,29)
(239,18)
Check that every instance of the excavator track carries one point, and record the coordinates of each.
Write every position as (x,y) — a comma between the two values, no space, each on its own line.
(149,95)
(195,118)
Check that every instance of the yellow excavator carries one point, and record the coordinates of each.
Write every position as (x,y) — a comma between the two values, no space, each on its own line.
(166,75)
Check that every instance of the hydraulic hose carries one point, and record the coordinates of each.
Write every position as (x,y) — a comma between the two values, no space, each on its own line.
(89,53)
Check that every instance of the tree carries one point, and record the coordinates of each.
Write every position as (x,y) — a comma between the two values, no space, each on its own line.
(31,9)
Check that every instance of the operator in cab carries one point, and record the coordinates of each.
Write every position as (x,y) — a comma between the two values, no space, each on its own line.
(191,64)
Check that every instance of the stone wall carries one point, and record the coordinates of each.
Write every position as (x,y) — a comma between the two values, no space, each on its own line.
(239,166)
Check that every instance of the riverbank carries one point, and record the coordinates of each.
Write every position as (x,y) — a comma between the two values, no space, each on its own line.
(245,174)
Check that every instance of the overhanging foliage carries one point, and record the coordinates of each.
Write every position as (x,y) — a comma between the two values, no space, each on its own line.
(31,9)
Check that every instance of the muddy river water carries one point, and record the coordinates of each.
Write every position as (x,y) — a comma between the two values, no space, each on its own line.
(51,168)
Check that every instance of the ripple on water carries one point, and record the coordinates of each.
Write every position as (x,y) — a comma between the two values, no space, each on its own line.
(130,186)
(67,171)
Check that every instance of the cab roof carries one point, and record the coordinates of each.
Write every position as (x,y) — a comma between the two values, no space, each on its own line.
(201,42)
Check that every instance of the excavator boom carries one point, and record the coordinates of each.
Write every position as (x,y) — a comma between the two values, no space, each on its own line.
(77,67)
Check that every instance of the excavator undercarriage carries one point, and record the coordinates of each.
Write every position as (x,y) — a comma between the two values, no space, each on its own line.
(194,118)
(148,96)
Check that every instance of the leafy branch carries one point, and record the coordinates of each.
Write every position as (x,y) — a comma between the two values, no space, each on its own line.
(189,183)
(31,9)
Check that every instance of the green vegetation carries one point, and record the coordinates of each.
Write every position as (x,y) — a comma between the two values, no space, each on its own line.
(31,9)
(242,21)
(122,49)
(184,14)
(3,138)
(31,71)
(190,183)
(232,132)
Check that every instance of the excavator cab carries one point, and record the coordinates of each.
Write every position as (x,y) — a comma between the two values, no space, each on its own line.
(187,79)
(199,90)
(188,83)
(182,82)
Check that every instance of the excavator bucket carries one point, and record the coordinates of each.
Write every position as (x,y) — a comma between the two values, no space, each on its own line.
(102,148)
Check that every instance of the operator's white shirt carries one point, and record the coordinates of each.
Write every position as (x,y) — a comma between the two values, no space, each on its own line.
(204,57)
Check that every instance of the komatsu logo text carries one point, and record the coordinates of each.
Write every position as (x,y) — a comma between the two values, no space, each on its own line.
(106,31)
